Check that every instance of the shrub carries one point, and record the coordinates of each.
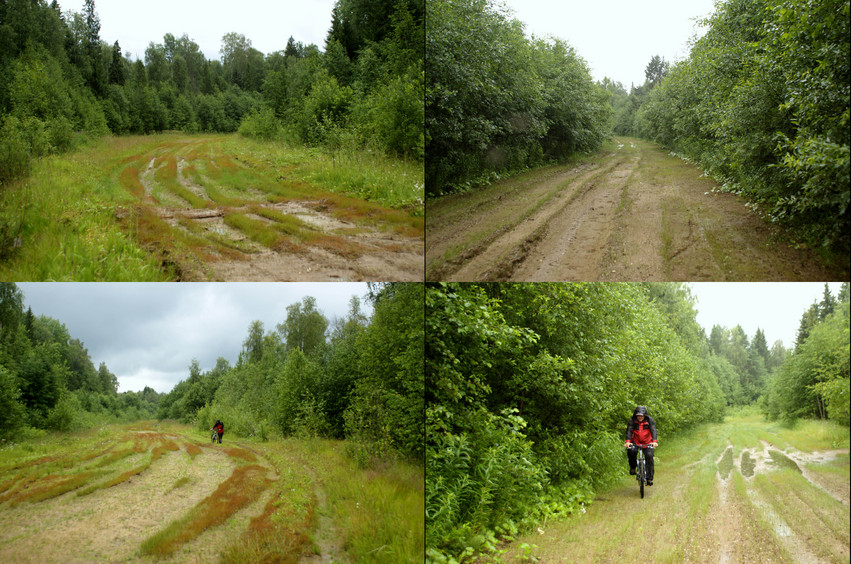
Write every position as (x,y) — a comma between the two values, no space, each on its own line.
(261,124)
(15,160)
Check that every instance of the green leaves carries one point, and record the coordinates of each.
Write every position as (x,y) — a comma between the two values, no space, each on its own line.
(767,71)
(529,387)
(497,101)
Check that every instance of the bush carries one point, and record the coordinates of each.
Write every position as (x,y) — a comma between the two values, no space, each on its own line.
(61,134)
(15,160)
(67,414)
(12,412)
(325,108)
(260,124)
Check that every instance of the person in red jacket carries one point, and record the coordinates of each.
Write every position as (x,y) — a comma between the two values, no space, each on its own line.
(220,429)
(641,431)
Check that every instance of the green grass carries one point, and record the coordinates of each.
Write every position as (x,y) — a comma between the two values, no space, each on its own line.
(369,175)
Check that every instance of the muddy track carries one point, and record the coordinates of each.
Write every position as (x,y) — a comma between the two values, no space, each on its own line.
(634,213)
(212,216)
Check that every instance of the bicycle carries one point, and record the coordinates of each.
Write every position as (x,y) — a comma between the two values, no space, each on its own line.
(641,469)
(215,437)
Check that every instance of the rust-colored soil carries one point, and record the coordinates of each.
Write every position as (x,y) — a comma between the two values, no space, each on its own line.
(105,505)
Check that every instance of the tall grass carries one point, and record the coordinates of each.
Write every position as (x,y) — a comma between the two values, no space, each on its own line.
(380,512)
(364,174)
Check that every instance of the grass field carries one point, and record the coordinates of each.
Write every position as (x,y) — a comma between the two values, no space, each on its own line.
(173,207)
(162,491)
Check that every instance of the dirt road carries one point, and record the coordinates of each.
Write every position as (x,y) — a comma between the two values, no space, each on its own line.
(632,212)
(737,492)
(211,215)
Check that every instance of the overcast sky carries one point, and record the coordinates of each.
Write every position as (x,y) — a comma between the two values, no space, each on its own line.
(774,307)
(147,334)
(267,23)
(616,37)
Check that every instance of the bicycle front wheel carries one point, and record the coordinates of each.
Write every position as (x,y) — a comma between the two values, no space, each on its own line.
(641,479)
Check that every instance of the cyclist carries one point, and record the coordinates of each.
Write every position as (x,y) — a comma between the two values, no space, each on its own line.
(641,430)
(220,429)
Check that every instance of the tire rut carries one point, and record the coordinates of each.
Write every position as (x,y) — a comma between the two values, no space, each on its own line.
(561,253)
(499,258)
(639,214)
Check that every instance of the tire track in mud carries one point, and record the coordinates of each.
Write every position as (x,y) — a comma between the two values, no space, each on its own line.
(209,216)
(573,245)
(719,508)
(501,256)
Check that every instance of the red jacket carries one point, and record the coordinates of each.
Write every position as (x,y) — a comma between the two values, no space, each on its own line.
(220,428)
(642,433)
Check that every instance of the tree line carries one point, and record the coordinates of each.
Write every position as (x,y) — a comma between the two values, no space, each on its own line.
(60,83)
(48,380)
(814,382)
(356,378)
(762,103)
(497,101)
(529,388)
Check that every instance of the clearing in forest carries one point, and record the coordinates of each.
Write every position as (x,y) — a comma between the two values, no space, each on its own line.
(631,212)
(154,492)
(218,207)
(742,491)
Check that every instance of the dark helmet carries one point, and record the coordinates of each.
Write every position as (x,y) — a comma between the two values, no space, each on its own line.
(640,410)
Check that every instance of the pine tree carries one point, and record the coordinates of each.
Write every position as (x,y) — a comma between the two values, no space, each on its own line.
(116,69)
(98,78)
(827,304)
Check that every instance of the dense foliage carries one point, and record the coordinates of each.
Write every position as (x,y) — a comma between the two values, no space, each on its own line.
(60,83)
(815,381)
(529,388)
(498,101)
(762,103)
(355,378)
(48,381)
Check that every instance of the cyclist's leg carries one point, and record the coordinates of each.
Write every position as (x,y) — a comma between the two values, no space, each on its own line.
(632,454)
(648,454)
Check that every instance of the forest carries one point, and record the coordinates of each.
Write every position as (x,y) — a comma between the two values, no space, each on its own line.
(762,105)
(529,387)
(359,378)
(48,380)
(61,84)
(497,102)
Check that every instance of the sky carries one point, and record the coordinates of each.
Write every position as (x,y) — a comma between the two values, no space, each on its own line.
(774,307)
(616,38)
(147,334)
(267,23)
